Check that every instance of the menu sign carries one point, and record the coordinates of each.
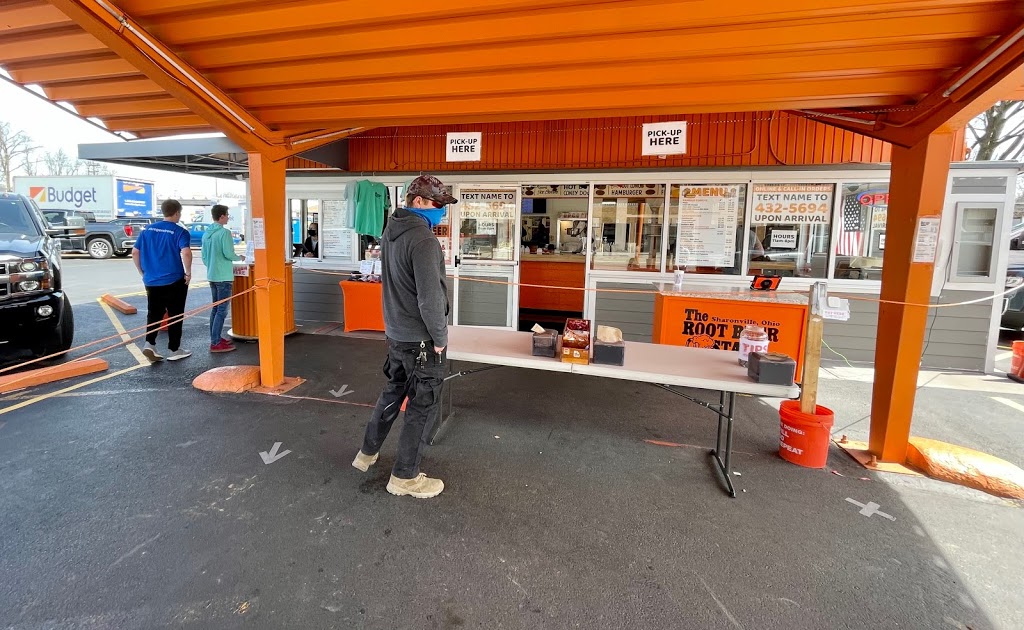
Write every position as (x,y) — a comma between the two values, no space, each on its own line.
(792,203)
(335,239)
(629,190)
(708,220)
(571,191)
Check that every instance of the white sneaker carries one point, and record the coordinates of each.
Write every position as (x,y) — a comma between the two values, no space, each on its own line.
(179,354)
(149,351)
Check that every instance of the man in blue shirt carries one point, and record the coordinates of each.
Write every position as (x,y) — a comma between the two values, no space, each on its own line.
(164,260)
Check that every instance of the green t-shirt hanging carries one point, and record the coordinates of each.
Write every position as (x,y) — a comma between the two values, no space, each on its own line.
(371,204)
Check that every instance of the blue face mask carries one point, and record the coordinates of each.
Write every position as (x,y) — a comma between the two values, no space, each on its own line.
(433,215)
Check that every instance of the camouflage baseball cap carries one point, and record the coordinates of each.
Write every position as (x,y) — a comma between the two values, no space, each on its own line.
(430,187)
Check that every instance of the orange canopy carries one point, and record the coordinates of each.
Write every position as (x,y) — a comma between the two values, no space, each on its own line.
(270,72)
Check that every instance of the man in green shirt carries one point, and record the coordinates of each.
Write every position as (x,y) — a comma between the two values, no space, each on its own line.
(218,256)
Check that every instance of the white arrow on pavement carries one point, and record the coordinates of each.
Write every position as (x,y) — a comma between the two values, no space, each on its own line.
(273,455)
(341,391)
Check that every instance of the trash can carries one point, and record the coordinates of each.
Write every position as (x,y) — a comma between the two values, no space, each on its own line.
(805,437)
(244,325)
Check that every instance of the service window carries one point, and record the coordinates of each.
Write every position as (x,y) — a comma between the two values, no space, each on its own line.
(974,242)
(627,228)
(791,230)
(706,228)
(860,239)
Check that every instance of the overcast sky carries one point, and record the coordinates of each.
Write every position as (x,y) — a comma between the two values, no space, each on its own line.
(52,128)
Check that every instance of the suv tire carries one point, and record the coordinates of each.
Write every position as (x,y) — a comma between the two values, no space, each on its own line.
(64,335)
(100,248)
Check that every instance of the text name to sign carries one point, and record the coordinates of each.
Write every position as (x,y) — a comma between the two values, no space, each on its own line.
(464,146)
(668,138)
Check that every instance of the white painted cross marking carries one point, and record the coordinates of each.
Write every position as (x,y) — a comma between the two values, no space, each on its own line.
(273,455)
(341,391)
(870,508)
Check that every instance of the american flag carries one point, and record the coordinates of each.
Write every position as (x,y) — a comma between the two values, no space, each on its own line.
(851,234)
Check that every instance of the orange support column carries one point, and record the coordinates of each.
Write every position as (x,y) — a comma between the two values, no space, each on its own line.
(917,191)
(267,179)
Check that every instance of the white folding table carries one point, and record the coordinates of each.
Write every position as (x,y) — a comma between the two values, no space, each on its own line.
(664,366)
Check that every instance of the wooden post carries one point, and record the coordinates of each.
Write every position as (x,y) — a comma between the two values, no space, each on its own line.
(812,349)
(267,195)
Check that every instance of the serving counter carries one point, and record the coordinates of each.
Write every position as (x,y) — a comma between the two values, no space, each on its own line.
(702,317)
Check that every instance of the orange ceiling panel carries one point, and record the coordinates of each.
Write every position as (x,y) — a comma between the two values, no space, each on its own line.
(301,66)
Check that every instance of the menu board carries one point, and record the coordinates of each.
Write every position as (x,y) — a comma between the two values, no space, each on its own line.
(708,220)
(335,239)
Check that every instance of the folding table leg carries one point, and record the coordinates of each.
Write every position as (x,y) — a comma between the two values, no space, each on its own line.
(727,402)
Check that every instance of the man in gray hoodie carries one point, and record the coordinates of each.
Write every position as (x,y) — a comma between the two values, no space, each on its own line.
(416,325)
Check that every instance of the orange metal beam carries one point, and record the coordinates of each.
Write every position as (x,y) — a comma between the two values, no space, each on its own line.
(57,70)
(171,74)
(492,43)
(267,193)
(851,64)
(48,44)
(31,14)
(917,191)
(135,106)
(103,89)
(156,122)
(782,95)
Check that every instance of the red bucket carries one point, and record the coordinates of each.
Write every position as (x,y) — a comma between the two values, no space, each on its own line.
(805,437)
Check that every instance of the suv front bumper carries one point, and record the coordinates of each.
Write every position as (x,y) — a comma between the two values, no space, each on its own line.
(21,325)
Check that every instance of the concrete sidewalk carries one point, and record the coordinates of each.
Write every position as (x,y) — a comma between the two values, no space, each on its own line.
(150,507)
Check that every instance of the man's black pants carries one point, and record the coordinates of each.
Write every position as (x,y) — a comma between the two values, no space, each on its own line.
(421,380)
(170,298)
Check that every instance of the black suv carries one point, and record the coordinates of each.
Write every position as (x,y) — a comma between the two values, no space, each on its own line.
(34,312)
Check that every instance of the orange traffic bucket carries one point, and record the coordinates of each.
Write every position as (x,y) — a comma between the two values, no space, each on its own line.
(805,437)
(1017,362)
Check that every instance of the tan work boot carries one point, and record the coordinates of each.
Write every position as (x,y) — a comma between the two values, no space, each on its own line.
(363,461)
(421,487)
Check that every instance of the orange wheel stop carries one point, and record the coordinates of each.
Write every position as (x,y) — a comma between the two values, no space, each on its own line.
(119,304)
(31,378)
(966,467)
(231,379)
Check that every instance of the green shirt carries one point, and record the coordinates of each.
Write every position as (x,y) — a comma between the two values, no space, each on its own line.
(371,203)
(219,253)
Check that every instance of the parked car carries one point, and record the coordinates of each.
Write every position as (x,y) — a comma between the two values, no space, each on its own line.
(1017,236)
(101,239)
(1013,303)
(196,231)
(35,313)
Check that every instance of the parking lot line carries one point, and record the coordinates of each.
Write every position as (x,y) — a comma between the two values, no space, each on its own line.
(59,392)
(129,344)
(1009,403)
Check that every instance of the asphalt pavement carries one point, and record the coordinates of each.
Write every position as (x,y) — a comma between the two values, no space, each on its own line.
(138,502)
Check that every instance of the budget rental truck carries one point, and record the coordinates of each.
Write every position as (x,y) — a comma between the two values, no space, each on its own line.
(106,196)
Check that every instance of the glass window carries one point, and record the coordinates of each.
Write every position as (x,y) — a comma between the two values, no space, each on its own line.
(627,227)
(791,230)
(974,242)
(487,227)
(706,228)
(860,242)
